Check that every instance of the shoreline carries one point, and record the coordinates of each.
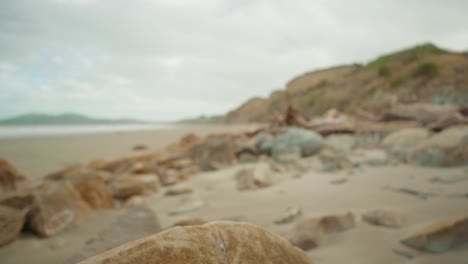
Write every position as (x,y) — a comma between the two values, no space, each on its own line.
(38,156)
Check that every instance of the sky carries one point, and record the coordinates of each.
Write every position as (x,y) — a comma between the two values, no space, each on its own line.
(164,60)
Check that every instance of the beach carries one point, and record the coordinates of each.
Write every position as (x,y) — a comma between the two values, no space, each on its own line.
(315,191)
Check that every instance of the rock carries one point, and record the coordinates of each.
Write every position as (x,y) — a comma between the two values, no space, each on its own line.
(447,148)
(179,191)
(186,206)
(422,113)
(67,172)
(254,178)
(131,185)
(57,206)
(9,176)
(189,222)
(289,216)
(246,149)
(169,177)
(440,236)
(134,201)
(216,242)
(307,141)
(139,147)
(419,194)
(333,160)
(327,224)
(306,240)
(341,143)
(381,217)
(93,190)
(19,200)
(213,153)
(11,223)
(400,142)
(134,223)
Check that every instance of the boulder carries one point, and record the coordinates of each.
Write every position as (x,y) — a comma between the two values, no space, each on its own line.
(57,206)
(134,201)
(216,242)
(381,217)
(93,190)
(9,176)
(341,143)
(130,185)
(133,223)
(399,143)
(254,178)
(19,200)
(308,142)
(447,148)
(11,223)
(440,236)
(66,172)
(214,152)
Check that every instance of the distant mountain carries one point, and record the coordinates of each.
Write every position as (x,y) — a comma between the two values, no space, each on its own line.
(424,73)
(64,119)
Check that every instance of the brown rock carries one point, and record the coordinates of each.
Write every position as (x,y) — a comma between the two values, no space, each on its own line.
(130,185)
(217,242)
(94,190)
(383,218)
(66,172)
(11,223)
(9,176)
(134,223)
(440,236)
(169,177)
(254,178)
(19,200)
(327,224)
(213,153)
(57,206)
(178,191)
(134,201)
(189,222)
(306,240)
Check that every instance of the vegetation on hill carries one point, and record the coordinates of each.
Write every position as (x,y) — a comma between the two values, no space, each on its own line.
(63,119)
(424,73)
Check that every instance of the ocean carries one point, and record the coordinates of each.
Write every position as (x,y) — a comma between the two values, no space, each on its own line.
(59,130)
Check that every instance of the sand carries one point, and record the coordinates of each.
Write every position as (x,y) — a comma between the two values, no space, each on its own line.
(313,192)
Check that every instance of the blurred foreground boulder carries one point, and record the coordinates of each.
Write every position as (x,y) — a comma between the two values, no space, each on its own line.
(216,242)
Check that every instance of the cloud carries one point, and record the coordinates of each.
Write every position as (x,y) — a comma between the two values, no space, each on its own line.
(163,60)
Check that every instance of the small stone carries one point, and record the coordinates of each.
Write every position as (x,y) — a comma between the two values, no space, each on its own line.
(381,217)
(327,224)
(306,240)
(254,178)
(178,191)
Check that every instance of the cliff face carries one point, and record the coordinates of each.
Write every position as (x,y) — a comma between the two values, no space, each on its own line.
(424,73)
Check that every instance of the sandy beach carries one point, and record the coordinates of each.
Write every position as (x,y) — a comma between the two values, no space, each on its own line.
(313,190)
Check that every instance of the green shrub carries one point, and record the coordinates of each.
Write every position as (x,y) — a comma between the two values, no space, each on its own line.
(397,82)
(426,69)
(384,71)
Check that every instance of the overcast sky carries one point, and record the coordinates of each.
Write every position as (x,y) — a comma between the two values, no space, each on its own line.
(170,59)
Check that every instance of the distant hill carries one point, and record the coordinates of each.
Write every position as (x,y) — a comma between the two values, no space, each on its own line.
(203,120)
(423,73)
(63,119)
